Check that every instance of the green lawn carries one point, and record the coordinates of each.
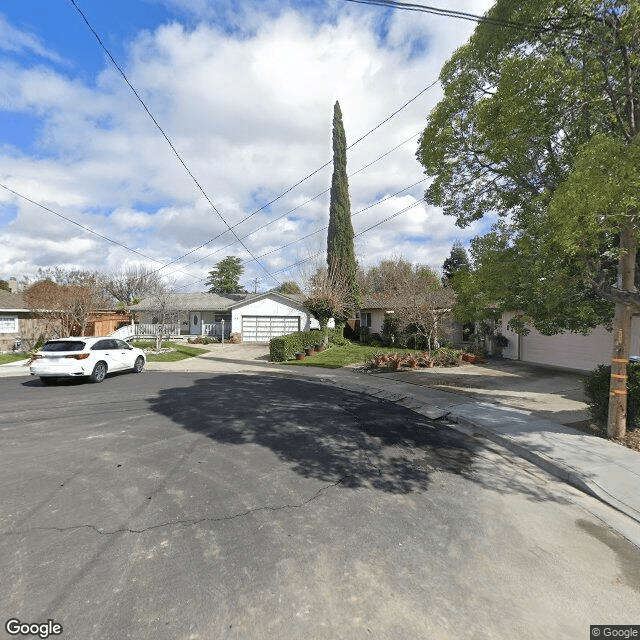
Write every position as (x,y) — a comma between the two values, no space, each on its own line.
(6,358)
(337,357)
(181,352)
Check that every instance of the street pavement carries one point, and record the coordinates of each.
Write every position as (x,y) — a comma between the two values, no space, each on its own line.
(524,408)
(178,505)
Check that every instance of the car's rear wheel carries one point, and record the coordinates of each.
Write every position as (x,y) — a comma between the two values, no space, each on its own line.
(47,382)
(139,364)
(99,372)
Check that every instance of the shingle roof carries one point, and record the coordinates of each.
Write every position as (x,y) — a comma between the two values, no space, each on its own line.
(12,301)
(213,301)
(198,301)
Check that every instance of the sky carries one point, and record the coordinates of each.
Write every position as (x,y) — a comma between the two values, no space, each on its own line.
(242,94)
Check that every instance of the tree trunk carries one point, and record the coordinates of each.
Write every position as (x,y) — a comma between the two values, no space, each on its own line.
(617,417)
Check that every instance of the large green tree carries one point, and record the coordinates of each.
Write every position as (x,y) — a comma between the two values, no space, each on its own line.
(341,257)
(456,261)
(534,110)
(225,276)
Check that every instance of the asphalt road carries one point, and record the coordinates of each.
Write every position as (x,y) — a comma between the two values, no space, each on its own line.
(189,506)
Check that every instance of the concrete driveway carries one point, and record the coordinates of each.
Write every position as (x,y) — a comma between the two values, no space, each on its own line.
(554,394)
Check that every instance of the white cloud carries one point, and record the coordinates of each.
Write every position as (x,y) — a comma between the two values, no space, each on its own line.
(250,115)
(19,41)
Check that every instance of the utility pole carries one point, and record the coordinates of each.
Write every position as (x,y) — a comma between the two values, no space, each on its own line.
(617,417)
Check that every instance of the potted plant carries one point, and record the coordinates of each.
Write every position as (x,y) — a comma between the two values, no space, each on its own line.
(319,347)
(310,351)
(300,355)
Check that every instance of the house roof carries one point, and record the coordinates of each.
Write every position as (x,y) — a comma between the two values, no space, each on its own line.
(293,299)
(374,303)
(197,301)
(12,302)
(214,302)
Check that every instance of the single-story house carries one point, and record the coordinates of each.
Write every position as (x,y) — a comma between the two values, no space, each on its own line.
(568,350)
(15,319)
(258,317)
(18,322)
(373,312)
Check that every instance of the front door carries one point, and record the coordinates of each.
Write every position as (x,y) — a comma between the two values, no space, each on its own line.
(195,323)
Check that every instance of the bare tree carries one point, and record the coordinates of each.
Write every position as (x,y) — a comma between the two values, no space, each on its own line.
(164,309)
(65,309)
(131,284)
(415,296)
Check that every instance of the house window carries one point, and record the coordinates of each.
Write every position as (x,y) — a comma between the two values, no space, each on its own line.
(365,318)
(8,324)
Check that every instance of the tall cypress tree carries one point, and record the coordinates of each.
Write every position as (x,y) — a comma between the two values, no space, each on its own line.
(341,258)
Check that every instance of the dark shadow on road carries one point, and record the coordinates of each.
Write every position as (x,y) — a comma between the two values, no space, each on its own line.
(335,436)
(69,381)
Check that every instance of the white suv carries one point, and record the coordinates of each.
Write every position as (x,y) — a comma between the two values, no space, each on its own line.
(91,357)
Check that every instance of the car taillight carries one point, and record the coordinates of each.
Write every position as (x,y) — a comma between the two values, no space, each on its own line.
(78,356)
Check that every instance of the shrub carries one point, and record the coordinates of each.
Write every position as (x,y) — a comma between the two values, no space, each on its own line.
(235,338)
(285,347)
(596,388)
(203,340)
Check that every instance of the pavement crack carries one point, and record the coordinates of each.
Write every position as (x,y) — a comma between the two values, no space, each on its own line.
(187,522)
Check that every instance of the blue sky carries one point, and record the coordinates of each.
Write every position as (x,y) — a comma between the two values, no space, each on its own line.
(245,92)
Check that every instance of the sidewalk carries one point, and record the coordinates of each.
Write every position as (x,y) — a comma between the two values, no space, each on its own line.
(606,470)
(601,468)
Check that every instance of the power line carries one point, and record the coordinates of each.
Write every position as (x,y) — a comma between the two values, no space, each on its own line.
(85,228)
(175,151)
(192,176)
(360,233)
(264,226)
(472,17)
(326,164)
(319,253)
(313,233)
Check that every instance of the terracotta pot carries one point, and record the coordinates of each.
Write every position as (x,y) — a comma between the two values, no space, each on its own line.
(310,351)
(300,356)
(320,347)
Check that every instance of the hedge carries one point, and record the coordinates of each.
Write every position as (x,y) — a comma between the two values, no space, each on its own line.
(596,388)
(285,347)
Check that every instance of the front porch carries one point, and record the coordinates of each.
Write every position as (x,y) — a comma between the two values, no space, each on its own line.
(144,331)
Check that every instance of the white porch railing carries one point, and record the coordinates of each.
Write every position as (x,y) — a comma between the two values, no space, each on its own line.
(146,331)
(214,330)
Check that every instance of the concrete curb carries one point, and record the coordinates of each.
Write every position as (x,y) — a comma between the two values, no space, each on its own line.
(404,395)
(562,471)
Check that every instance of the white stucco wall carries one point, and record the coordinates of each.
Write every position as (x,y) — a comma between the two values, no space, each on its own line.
(316,325)
(570,350)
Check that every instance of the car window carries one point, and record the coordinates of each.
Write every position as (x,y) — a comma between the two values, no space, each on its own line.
(64,345)
(102,345)
(122,344)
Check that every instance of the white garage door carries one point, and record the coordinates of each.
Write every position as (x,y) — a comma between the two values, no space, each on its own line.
(571,350)
(263,328)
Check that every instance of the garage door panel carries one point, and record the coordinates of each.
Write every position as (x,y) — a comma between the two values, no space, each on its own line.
(572,350)
(263,328)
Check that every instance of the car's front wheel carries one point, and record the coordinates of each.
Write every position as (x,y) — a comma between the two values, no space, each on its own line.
(139,364)
(99,372)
